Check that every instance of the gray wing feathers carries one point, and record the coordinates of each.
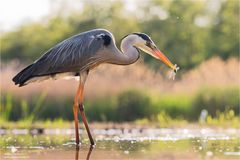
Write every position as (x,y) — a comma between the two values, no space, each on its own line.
(70,55)
(75,54)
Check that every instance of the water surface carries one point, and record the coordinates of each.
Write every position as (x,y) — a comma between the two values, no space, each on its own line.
(154,144)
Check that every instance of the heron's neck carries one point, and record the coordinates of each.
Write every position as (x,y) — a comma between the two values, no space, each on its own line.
(128,55)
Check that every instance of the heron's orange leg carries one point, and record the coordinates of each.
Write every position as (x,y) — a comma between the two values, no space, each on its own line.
(82,113)
(75,113)
(81,108)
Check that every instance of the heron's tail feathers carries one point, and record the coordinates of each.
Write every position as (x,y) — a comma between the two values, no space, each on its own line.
(24,76)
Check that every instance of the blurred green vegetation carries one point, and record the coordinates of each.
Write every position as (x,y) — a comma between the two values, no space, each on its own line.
(188,32)
(131,105)
(216,100)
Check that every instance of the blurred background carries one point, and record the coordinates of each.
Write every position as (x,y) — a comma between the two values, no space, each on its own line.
(201,36)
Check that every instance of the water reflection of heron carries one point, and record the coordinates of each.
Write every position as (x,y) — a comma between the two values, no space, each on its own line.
(88,155)
(77,55)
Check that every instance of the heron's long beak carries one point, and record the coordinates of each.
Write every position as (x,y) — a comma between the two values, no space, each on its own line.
(155,52)
(159,55)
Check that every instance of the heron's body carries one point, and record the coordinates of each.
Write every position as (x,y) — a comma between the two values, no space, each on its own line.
(77,55)
(74,55)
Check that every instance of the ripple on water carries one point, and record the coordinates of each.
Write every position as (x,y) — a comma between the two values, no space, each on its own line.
(170,138)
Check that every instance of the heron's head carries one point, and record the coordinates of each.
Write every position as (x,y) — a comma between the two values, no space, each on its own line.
(144,43)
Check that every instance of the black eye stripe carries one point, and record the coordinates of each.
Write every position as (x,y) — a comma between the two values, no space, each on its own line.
(143,36)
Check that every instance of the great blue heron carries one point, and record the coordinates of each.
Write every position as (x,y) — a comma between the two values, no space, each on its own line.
(77,55)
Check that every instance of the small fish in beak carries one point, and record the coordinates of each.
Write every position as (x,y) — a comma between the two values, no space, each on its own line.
(174,72)
(159,55)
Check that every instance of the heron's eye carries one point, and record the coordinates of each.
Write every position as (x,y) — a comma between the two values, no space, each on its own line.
(148,43)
